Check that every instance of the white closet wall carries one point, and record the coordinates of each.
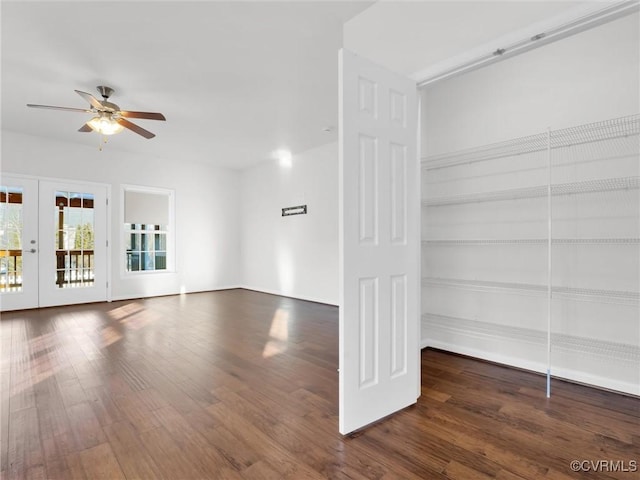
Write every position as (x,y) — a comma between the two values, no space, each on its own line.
(490,161)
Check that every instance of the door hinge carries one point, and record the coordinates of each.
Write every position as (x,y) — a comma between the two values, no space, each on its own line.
(107,284)
(107,200)
(107,243)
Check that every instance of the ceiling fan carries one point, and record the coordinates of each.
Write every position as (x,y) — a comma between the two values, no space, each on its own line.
(108,118)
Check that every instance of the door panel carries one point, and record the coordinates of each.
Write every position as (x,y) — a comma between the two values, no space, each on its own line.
(19,249)
(379,243)
(73,253)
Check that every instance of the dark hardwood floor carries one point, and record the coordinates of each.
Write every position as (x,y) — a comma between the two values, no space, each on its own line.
(242,385)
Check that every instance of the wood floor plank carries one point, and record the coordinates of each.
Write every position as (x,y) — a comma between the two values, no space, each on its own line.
(72,392)
(285,462)
(241,385)
(86,429)
(137,411)
(195,447)
(74,469)
(5,397)
(261,471)
(100,463)
(18,442)
(236,453)
(168,455)
(458,471)
(103,405)
(507,475)
(128,449)
(36,473)
(56,450)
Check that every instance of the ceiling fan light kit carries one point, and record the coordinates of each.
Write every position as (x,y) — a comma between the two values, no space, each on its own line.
(105,124)
(108,119)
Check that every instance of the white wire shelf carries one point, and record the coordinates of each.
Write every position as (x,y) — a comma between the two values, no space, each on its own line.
(485,286)
(570,343)
(487,241)
(595,241)
(586,294)
(533,241)
(573,188)
(593,132)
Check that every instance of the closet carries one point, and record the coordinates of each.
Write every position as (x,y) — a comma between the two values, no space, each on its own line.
(531,244)
(490,289)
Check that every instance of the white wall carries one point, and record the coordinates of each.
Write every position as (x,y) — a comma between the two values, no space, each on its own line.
(588,77)
(295,256)
(206,203)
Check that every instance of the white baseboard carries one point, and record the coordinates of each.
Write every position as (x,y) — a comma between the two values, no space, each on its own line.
(485,355)
(520,347)
(117,298)
(297,297)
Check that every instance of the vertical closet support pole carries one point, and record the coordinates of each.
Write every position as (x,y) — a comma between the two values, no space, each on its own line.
(549,278)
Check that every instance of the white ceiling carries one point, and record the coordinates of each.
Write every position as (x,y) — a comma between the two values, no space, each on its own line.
(236,80)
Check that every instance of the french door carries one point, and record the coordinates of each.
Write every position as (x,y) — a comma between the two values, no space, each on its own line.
(53,243)
(379,243)
(19,247)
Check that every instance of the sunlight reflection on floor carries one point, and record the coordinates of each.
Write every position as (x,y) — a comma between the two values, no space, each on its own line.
(110,335)
(128,315)
(278,334)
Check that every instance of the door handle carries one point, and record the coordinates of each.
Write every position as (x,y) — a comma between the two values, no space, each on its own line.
(33,250)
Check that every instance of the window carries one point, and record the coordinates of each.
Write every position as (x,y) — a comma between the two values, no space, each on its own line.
(147,229)
(74,239)
(10,239)
(146,247)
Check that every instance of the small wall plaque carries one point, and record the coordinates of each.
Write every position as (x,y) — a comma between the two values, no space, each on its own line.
(297,210)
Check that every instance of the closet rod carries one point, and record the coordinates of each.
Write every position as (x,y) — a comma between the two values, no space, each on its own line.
(544,34)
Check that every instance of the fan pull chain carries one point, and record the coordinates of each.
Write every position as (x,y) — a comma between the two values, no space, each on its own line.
(103,139)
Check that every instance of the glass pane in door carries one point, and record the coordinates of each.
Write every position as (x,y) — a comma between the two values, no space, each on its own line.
(11,216)
(74,239)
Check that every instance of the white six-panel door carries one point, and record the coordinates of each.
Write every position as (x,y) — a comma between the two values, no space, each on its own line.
(379,243)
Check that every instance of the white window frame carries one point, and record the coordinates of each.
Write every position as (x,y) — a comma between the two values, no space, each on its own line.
(170,230)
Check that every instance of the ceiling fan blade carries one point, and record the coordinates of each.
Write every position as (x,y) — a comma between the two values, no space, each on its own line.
(85,128)
(147,115)
(95,103)
(52,107)
(135,128)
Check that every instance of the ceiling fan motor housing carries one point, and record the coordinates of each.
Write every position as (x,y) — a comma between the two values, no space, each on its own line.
(106,92)
(110,107)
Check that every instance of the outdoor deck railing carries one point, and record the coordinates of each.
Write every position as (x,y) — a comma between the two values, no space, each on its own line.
(73,267)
